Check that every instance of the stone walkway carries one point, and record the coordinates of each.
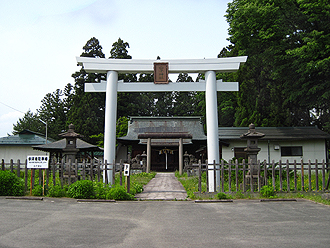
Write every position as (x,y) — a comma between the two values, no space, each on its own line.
(164,186)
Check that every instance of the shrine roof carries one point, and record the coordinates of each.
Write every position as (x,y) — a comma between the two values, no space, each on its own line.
(186,127)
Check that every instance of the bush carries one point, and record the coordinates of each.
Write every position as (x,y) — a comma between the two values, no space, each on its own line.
(37,190)
(10,184)
(82,189)
(221,195)
(137,187)
(101,190)
(56,191)
(119,193)
(267,191)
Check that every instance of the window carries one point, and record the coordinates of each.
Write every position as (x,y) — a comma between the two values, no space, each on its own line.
(288,151)
(240,153)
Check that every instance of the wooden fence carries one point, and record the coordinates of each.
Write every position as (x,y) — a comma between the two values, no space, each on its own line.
(65,173)
(284,177)
(234,176)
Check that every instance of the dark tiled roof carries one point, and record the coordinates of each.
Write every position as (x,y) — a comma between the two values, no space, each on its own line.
(25,137)
(60,145)
(161,125)
(275,133)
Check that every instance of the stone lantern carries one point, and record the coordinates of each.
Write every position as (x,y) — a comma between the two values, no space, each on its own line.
(70,149)
(252,149)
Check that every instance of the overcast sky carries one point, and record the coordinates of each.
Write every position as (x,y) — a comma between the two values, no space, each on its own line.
(41,39)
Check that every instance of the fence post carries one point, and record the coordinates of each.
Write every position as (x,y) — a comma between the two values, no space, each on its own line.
(244,181)
(229,176)
(309,175)
(207,176)
(200,176)
(222,176)
(40,177)
(84,170)
(76,170)
(26,175)
(273,175)
(287,176)
(69,172)
(302,176)
(121,172)
(99,170)
(11,166)
(33,172)
(114,172)
(259,175)
(323,175)
(91,169)
(316,175)
(53,165)
(295,175)
(61,171)
(18,169)
(265,173)
(237,182)
(251,176)
(280,175)
(106,172)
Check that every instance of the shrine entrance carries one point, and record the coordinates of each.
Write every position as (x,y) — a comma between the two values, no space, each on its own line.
(165,159)
(161,69)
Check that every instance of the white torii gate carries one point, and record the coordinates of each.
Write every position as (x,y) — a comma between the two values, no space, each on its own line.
(208,66)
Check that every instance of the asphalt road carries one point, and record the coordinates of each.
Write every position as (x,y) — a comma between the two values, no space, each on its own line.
(244,223)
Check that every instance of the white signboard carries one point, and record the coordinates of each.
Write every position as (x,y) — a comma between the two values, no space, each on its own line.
(126,169)
(37,162)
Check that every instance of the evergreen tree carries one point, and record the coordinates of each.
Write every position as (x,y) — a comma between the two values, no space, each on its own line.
(285,81)
(88,109)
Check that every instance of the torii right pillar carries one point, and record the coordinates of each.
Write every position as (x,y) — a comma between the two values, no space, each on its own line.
(212,128)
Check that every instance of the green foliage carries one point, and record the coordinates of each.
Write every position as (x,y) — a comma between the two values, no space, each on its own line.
(82,189)
(37,190)
(10,184)
(101,190)
(267,191)
(221,196)
(136,188)
(119,193)
(56,191)
(285,81)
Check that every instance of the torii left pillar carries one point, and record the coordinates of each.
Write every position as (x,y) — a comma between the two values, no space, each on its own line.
(208,66)
(110,122)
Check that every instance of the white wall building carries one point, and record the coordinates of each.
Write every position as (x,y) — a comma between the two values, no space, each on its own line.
(279,143)
(19,146)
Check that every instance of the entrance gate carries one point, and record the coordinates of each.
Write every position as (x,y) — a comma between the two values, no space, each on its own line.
(208,66)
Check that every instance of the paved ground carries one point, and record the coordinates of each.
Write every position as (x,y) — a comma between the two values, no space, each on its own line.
(243,223)
(164,186)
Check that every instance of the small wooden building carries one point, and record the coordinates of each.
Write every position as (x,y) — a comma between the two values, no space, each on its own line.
(167,139)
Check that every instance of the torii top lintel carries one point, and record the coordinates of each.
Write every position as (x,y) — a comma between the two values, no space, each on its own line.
(102,65)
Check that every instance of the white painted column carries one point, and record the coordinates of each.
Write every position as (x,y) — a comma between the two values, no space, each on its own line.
(212,125)
(110,121)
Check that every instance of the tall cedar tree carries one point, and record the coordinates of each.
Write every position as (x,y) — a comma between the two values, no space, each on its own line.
(285,81)
(88,109)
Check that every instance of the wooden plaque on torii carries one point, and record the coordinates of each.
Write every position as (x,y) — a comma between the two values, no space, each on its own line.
(161,73)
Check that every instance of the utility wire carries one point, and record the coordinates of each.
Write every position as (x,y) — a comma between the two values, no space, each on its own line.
(12,108)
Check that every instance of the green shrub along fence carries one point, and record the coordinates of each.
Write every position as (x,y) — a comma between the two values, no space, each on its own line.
(62,173)
(283,177)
